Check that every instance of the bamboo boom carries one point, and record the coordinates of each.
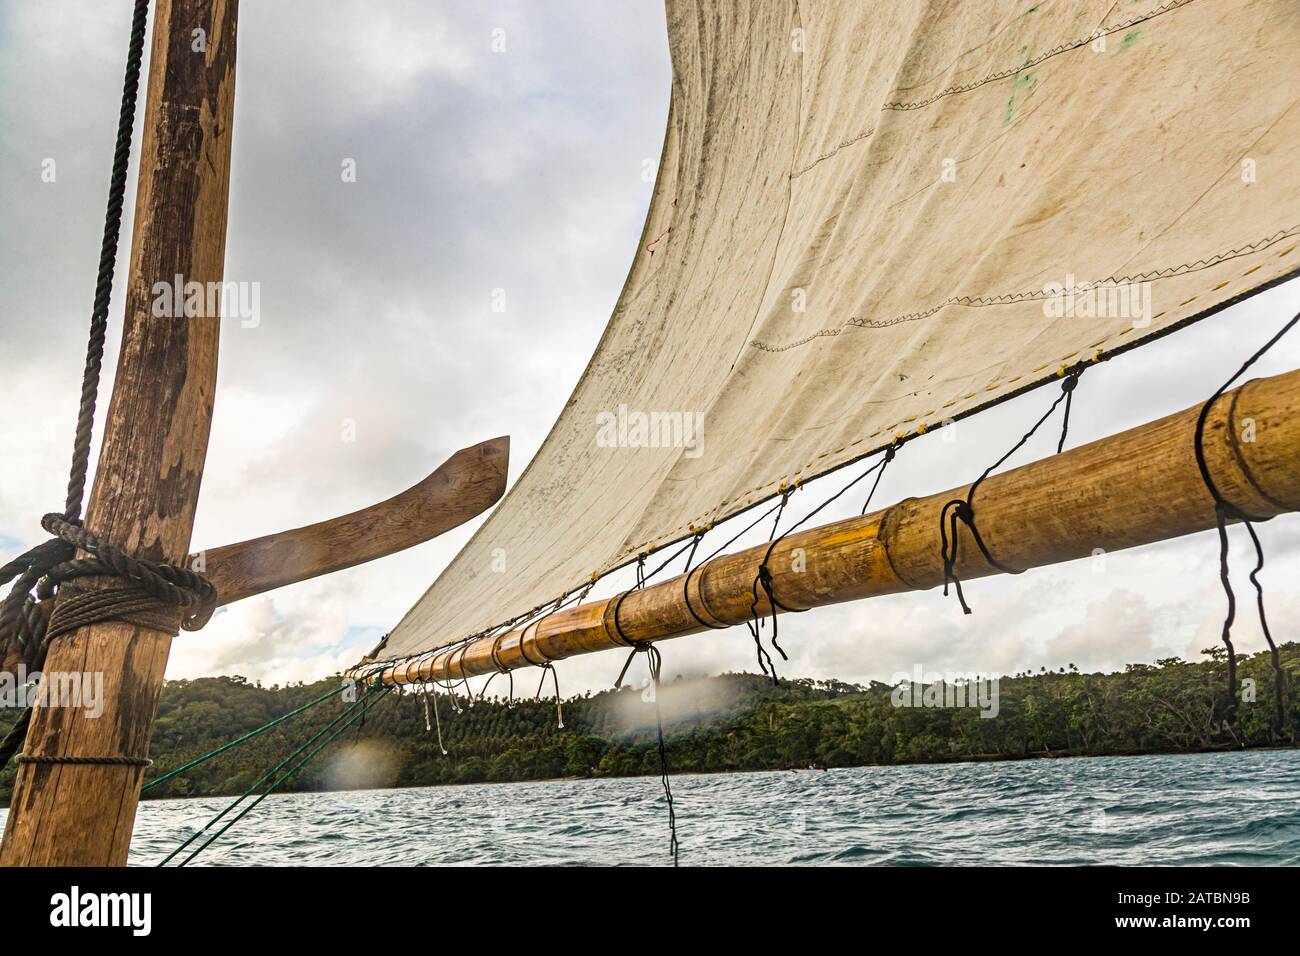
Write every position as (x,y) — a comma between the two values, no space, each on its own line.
(1130,489)
(155,440)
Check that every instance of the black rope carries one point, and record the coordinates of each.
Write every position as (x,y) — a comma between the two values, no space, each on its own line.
(764,581)
(618,603)
(737,536)
(107,263)
(686,585)
(1223,510)
(963,509)
(890,453)
(495,651)
(548,667)
(108,761)
(655,661)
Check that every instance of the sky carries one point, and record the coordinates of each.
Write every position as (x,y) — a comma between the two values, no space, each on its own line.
(499,151)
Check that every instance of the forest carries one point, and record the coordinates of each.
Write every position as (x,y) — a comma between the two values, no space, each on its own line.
(732,722)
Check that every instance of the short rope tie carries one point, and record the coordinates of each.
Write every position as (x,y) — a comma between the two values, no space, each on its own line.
(686,585)
(464,676)
(764,580)
(962,510)
(523,651)
(618,604)
(501,668)
(548,667)
(448,687)
(433,705)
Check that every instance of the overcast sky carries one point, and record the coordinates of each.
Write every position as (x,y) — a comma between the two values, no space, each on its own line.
(478,170)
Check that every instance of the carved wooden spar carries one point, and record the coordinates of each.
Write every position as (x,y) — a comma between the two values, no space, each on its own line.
(1134,488)
(464,486)
(155,441)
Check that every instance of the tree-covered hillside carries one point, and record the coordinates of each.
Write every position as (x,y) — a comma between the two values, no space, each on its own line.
(727,723)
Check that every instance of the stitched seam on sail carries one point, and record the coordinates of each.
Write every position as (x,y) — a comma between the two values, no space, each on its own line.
(1010,298)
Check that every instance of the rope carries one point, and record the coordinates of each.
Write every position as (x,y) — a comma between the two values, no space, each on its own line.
(656,665)
(763,579)
(248,736)
(107,262)
(655,660)
(963,509)
(686,584)
(500,669)
(548,667)
(349,716)
(110,761)
(618,604)
(437,718)
(1223,510)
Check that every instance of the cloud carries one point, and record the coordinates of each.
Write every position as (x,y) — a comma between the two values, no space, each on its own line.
(1114,631)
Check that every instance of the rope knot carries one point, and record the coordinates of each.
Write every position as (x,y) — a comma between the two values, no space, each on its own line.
(43,604)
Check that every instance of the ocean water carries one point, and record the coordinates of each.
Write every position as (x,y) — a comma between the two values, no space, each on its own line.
(1208,809)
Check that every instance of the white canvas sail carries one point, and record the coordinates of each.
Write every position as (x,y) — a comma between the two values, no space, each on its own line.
(871,218)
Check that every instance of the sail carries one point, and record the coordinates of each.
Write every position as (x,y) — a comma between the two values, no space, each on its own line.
(873,218)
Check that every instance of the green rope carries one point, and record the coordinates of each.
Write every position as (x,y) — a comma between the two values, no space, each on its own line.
(351,714)
(248,736)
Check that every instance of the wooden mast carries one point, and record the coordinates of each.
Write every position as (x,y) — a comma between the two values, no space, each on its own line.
(1134,488)
(155,441)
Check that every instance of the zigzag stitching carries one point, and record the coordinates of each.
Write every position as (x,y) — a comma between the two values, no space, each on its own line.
(1009,297)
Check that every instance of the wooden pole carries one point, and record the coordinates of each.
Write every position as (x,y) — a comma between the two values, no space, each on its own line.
(1130,489)
(466,484)
(155,440)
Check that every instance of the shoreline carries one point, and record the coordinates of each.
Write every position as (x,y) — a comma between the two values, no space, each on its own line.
(977,759)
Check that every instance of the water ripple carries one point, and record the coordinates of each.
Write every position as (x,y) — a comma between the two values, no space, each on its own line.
(1209,809)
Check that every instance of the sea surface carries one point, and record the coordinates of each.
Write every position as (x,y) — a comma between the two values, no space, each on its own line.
(1209,809)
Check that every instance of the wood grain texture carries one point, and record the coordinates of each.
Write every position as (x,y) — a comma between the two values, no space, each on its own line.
(464,486)
(1134,488)
(155,440)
